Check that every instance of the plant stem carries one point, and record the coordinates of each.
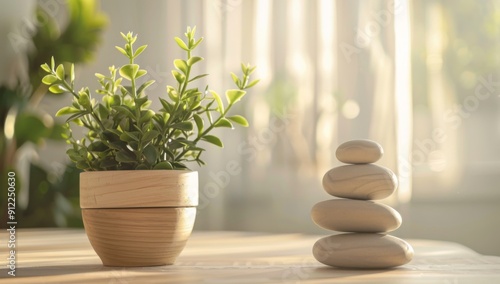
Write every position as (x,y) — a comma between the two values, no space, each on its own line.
(187,74)
(92,113)
(223,115)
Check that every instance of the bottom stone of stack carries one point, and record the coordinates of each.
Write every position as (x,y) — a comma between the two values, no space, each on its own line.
(362,251)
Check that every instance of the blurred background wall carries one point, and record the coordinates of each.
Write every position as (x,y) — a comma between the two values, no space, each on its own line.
(420,77)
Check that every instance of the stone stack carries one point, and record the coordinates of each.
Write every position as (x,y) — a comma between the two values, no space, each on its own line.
(365,243)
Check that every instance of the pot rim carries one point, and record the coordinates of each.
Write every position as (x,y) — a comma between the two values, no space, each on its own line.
(138,189)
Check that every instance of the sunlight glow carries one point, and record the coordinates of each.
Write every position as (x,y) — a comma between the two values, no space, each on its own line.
(403,96)
(9,125)
(350,109)
(327,23)
(263,33)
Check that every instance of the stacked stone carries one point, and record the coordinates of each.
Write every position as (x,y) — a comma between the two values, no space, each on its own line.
(366,223)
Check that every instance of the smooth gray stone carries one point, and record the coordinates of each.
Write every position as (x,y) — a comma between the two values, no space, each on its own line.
(359,152)
(365,181)
(366,251)
(359,216)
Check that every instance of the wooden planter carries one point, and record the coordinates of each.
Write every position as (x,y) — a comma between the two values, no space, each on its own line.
(138,218)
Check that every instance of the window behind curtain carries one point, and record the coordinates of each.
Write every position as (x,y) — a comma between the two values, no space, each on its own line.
(455,65)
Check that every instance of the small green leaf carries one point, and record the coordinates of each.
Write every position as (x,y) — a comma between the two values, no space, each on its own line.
(179,166)
(234,95)
(151,154)
(82,165)
(67,110)
(140,101)
(76,116)
(122,50)
(172,94)
(100,76)
(166,117)
(146,104)
(253,83)
(97,146)
(186,142)
(149,136)
(145,85)
(72,73)
(196,43)
(209,116)
(129,136)
(118,145)
(165,104)
(217,98)
(236,80)
(108,163)
(178,77)
(49,79)
(132,146)
(184,125)
(141,73)
(199,122)
(139,50)
(117,100)
(244,68)
(224,123)
(60,72)
(103,111)
(46,68)
(198,77)
(124,110)
(129,71)
(74,155)
(112,134)
(57,89)
(181,43)
(191,61)
(181,65)
(125,157)
(141,167)
(239,119)
(84,100)
(146,115)
(200,162)
(175,144)
(213,140)
(163,166)
(124,36)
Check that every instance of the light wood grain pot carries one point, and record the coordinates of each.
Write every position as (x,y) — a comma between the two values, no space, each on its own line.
(138,218)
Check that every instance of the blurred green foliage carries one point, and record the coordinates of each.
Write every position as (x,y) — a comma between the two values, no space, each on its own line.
(76,41)
(53,200)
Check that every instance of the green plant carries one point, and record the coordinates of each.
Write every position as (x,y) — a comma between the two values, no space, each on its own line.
(124,133)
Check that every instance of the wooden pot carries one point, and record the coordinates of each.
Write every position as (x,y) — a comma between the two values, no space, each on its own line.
(138,218)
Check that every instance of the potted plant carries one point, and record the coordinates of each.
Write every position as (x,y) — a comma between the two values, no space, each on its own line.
(137,195)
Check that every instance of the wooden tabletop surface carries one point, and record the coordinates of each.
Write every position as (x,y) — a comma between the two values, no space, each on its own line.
(65,256)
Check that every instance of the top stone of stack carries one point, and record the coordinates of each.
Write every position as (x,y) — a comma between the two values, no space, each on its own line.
(362,179)
(359,152)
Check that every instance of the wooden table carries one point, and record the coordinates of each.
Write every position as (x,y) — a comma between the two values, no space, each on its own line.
(65,256)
